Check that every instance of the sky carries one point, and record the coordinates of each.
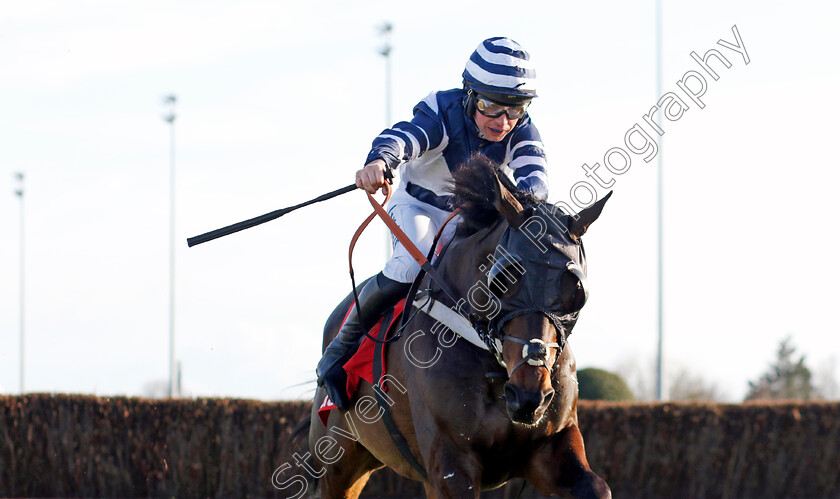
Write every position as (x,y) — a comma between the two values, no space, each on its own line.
(278,102)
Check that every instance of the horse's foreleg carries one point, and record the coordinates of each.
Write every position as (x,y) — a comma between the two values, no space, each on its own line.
(340,464)
(561,466)
(452,474)
(340,488)
(345,478)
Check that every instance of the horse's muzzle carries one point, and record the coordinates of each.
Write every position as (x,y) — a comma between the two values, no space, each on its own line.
(526,407)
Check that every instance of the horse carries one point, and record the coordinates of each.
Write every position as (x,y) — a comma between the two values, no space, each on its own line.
(472,418)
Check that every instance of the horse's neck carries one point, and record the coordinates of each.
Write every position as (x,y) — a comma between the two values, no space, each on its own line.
(459,264)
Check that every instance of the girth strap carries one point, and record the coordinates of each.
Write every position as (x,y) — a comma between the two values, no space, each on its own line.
(425,268)
(387,417)
(415,253)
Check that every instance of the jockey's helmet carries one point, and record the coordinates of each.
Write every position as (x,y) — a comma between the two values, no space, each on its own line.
(501,70)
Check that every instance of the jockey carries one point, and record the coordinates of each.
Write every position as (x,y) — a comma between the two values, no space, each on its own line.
(488,116)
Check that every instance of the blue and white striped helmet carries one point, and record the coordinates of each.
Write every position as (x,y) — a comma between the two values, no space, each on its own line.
(502,70)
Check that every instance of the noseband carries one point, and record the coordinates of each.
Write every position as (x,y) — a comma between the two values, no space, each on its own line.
(535,351)
(508,268)
(489,332)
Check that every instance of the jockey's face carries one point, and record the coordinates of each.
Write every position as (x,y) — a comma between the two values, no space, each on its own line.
(494,129)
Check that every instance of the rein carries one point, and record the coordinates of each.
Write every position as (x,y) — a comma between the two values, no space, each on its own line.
(421,260)
(425,267)
(424,262)
(356,235)
(534,352)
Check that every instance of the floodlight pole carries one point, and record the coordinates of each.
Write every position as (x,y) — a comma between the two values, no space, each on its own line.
(19,194)
(385,30)
(170,100)
(660,390)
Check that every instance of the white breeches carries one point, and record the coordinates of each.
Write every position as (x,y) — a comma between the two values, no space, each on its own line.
(420,222)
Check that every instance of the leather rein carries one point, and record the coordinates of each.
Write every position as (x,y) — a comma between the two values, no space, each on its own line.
(534,351)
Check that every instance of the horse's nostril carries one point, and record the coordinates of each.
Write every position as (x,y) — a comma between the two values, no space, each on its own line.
(511,398)
(547,398)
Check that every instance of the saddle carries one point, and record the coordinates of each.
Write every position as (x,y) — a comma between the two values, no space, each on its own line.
(361,365)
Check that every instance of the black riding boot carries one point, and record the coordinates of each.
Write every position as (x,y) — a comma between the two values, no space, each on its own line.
(374,298)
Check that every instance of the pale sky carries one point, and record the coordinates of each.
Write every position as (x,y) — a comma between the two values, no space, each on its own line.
(278,103)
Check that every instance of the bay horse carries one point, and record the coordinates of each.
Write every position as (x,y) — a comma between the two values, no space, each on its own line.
(471,420)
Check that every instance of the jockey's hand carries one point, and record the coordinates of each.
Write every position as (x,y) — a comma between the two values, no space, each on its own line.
(372,176)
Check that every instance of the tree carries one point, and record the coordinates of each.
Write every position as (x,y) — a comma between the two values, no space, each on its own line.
(681,383)
(825,380)
(598,384)
(787,378)
(157,389)
(688,387)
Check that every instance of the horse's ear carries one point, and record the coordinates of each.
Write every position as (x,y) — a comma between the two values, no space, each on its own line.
(578,226)
(507,204)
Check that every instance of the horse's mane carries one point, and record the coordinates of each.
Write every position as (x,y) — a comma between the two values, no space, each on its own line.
(474,192)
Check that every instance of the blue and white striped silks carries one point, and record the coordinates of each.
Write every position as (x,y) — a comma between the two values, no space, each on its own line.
(440,138)
(500,65)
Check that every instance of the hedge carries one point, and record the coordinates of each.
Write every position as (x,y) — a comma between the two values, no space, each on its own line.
(85,446)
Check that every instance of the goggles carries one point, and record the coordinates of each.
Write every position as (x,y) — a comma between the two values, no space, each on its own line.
(491,109)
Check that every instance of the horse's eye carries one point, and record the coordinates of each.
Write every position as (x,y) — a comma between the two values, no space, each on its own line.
(573,289)
(505,275)
(502,285)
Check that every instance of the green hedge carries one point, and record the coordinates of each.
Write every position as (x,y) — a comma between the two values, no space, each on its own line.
(63,445)
(598,384)
(82,446)
(756,450)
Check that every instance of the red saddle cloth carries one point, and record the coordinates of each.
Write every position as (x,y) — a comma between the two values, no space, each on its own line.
(360,365)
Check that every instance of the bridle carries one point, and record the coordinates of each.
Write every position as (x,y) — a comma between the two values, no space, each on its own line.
(535,352)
